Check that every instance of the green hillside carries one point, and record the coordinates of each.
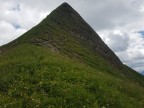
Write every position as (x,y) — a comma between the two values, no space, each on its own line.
(63,63)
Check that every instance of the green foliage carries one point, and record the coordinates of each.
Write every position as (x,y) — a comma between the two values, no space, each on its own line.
(32,76)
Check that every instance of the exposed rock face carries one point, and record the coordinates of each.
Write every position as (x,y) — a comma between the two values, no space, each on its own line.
(69,20)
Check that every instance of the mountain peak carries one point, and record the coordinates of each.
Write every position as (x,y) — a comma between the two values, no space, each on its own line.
(63,26)
(64,10)
(66,5)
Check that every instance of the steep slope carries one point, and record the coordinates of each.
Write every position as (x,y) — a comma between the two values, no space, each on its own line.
(66,21)
(33,76)
(62,62)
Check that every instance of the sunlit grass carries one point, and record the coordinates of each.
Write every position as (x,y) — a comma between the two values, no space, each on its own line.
(33,76)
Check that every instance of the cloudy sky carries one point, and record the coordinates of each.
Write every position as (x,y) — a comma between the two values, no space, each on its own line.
(120,23)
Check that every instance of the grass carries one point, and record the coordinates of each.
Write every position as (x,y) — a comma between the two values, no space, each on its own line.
(32,76)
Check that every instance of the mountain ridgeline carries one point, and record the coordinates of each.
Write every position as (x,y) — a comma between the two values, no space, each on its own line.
(63,62)
(66,21)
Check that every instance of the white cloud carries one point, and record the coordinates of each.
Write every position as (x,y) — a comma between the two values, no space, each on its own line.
(116,40)
(16,18)
(129,46)
(8,32)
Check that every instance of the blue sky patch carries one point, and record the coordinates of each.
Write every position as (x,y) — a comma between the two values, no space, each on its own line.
(142,33)
(16,8)
(17,26)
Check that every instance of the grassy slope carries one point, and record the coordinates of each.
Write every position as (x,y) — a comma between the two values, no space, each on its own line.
(33,76)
